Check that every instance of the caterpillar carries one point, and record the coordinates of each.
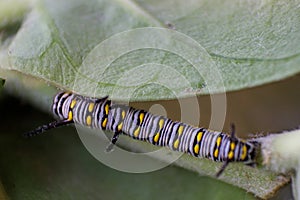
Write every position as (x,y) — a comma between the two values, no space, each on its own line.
(157,130)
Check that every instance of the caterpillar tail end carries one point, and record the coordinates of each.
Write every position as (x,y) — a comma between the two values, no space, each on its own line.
(46,127)
(31,133)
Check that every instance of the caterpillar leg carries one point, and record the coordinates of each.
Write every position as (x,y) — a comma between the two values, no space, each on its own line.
(113,141)
(225,164)
(46,127)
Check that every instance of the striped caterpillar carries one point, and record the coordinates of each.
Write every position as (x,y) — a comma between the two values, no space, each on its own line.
(142,125)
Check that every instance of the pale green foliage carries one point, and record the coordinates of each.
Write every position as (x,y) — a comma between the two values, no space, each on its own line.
(250,43)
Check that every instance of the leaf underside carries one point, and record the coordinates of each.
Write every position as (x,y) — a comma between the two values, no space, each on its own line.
(210,47)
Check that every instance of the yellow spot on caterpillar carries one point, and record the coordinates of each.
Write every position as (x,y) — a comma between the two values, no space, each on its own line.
(232,145)
(176,144)
(89,120)
(161,123)
(180,130)
(230,155)
(244,152)
(104,123)
(120,126)
(123,114)
(219,139)
(196,148)
(91,107)
(137,132)
(199,136)
(73,104)
(156,137)
(142,115)
(216,153)
(106,109)
(70,115)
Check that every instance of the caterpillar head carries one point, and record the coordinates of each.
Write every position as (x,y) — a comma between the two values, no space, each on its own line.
(250,158)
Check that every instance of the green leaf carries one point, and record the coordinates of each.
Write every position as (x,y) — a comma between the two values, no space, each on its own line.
(12,12)
(217,46)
